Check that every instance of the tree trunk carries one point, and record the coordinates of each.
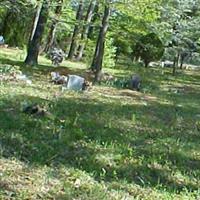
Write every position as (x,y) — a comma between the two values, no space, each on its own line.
(99,51)
(181,63)
(94,18)
(52,31)
(34,44)
(146,64)
(37,14)
(176,58)
(76,30)
(84,34)
(182,59)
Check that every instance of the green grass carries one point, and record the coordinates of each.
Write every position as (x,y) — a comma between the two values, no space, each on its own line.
(106,143)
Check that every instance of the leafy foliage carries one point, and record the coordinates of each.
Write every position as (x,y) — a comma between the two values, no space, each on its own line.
(149,48)
(109,54)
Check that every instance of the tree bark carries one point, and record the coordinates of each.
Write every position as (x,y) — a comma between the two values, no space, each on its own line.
(175,64)
(146,64)
(181,62)
(37,14)
(34,44)
(76,30)
(52,31)
(99,51)
(93,20)
(84,34)
(183,57)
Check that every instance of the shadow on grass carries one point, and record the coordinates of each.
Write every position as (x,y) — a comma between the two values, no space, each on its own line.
(23,66)
(42,69)
(88,135)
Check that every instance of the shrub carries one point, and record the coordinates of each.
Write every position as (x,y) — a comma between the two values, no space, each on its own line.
(149,48)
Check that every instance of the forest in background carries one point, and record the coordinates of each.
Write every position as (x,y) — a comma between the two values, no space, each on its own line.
(101,33)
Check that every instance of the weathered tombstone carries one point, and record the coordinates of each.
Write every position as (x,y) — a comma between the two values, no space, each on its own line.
(135,82)
(75,82)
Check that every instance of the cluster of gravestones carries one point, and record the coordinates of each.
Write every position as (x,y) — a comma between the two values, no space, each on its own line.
(71,82)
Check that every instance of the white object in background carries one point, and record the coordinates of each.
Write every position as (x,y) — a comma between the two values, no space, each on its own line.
(75,82)
(29,82)
(1,40)
(23,77)
(55,76)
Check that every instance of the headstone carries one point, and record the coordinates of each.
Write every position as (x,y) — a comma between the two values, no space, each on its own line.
(135,82)
(75,82)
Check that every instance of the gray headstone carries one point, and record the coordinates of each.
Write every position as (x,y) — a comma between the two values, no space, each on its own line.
(135,82)
(75,82)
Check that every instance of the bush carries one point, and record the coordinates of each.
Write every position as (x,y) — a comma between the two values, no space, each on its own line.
(149,48)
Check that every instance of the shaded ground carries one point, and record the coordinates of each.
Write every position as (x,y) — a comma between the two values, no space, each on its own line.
(106,143)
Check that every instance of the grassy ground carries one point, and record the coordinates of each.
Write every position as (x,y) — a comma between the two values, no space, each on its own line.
(103,144)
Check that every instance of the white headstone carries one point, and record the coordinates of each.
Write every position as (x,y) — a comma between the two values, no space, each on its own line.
(75,82)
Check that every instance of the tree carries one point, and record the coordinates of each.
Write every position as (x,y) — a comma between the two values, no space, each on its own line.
(86,28)
(76,30)
(34,45)
(52,31)
(99,50)
(35,21)
(178,29)
(15,20)
(129,20)
(149,48)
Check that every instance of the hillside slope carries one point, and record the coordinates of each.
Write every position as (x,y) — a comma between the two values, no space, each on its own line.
(106,143)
